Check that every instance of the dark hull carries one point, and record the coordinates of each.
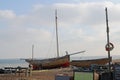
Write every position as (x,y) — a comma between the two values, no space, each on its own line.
(88,63)
(49,63)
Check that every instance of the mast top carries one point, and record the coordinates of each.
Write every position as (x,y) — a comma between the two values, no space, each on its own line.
(107,20)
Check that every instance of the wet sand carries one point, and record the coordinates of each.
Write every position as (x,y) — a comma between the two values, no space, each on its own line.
(38,75)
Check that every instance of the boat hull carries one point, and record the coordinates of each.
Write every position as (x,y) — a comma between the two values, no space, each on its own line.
(88,63)
(50,63)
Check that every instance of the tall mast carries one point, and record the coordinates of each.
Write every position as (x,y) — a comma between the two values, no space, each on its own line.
(57,44)
(32,52)
(107,30)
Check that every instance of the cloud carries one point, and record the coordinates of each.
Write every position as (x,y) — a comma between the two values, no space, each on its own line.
(81,26)
(8,14)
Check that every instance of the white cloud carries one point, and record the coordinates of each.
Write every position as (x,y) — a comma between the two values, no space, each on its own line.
(81,26)
(8,14)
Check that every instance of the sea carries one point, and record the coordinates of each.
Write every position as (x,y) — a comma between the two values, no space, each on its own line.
(12,63)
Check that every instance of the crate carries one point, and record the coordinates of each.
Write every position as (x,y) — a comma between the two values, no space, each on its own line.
(63,77)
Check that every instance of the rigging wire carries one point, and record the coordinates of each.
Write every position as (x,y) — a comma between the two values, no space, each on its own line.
(51,42)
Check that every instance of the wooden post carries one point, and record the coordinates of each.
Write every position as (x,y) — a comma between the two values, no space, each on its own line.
(107,30)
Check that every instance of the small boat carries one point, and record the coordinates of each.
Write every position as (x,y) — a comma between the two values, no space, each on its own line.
(49,63)
(88,63)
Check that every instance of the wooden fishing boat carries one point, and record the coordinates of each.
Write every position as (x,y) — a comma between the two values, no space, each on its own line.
(50,63)
(88,63)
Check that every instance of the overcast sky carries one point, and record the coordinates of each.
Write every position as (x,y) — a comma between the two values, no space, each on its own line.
(81,26)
